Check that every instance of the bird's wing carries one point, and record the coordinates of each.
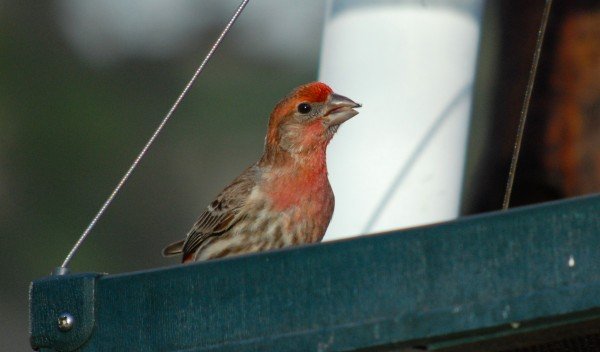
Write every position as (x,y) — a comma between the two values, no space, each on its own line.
(221,214)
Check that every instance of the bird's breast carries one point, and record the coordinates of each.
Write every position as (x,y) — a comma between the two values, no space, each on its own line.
(305,204)
(285,192)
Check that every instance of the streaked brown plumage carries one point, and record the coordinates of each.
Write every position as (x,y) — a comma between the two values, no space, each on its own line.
(285,198)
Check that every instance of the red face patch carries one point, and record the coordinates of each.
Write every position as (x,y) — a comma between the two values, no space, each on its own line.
(314,92)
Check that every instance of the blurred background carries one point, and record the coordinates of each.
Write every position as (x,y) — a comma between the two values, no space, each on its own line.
(83,85)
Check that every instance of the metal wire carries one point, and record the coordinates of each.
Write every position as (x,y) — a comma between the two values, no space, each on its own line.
(151,140)
(526,100)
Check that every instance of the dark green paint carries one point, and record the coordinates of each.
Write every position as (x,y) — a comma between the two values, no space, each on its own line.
(444,281)
(49,297)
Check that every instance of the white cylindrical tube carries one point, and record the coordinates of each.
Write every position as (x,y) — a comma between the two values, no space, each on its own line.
(411,63)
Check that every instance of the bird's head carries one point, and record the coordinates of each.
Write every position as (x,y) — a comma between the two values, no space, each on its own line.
(307,118)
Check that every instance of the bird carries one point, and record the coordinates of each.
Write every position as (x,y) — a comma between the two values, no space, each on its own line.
(285,198)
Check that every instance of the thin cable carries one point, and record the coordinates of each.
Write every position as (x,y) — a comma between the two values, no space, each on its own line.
(152,138)
(526,100)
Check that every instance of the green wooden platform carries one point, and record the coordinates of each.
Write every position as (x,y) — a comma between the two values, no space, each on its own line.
(490,282)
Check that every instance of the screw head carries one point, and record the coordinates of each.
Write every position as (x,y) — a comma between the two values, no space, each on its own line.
(65,322)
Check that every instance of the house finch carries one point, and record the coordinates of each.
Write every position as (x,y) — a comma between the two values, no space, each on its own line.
(285,198)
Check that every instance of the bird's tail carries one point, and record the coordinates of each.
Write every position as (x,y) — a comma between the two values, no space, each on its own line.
(173,249)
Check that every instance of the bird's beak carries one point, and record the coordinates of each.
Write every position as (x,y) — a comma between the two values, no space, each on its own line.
(339,109)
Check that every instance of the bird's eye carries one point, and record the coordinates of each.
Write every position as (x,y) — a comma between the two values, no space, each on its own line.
(304,108)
